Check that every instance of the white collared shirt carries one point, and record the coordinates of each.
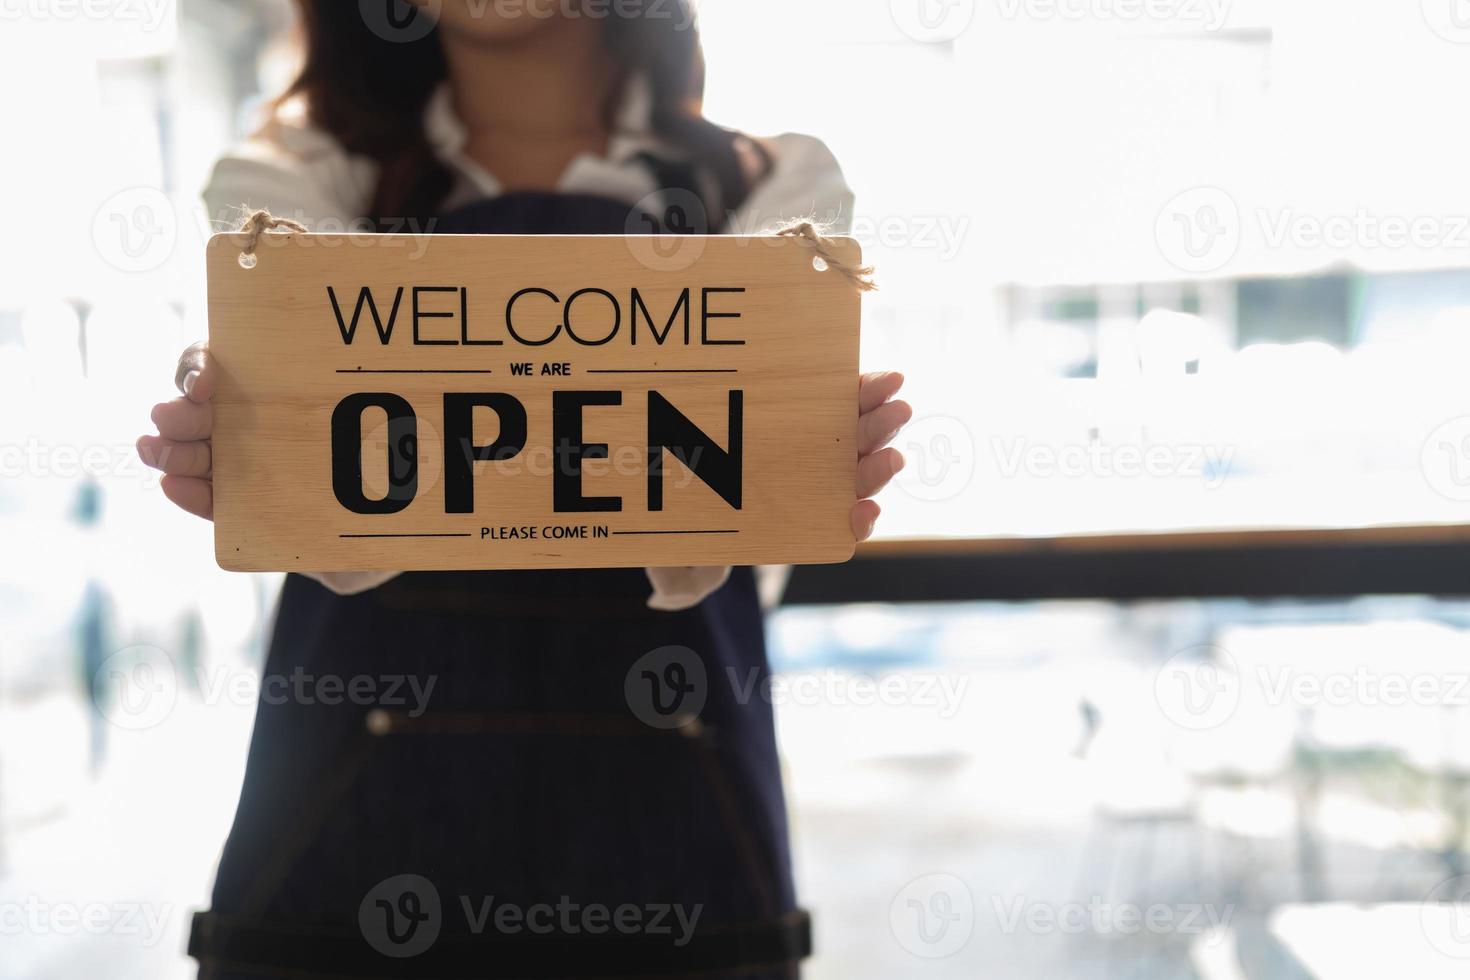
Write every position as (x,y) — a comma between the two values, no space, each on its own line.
(298,171)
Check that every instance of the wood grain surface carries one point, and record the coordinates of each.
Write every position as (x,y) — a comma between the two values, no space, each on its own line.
(771,344)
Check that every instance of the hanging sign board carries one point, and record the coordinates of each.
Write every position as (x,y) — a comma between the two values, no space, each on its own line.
(485,401)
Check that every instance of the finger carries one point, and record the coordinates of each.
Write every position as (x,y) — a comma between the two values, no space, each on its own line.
(191,494)
(876,388)
(864,519)
(877,428)
(183,420)
(176,458)
(196,374)
(875,470)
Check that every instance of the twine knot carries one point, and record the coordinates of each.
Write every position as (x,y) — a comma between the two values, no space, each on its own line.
(806,232)
(260,221)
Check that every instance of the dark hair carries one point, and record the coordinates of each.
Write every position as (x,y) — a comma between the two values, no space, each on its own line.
(368,89)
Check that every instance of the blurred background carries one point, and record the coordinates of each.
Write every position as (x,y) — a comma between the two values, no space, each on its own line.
(1163,669)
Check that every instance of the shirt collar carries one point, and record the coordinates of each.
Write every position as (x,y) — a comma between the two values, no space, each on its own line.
(612,173)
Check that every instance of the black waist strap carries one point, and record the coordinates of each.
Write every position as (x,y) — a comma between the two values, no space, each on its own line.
(226,943)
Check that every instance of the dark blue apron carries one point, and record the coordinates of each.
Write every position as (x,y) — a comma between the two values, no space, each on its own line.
(557,780)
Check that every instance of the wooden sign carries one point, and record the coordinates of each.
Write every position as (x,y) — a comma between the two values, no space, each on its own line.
(481,401)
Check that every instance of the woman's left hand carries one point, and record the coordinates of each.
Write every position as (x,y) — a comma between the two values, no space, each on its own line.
(879,420)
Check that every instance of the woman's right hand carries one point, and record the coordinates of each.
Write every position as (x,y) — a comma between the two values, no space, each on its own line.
(181,448)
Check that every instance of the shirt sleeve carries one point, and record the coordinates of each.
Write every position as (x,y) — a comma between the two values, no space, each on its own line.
(805,183)
(294,171)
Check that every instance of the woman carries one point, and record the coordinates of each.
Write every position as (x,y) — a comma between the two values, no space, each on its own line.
(531,818)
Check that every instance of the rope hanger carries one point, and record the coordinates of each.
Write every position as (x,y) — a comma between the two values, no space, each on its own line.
(260,221)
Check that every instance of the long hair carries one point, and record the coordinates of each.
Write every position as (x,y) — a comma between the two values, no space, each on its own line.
(368,90)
